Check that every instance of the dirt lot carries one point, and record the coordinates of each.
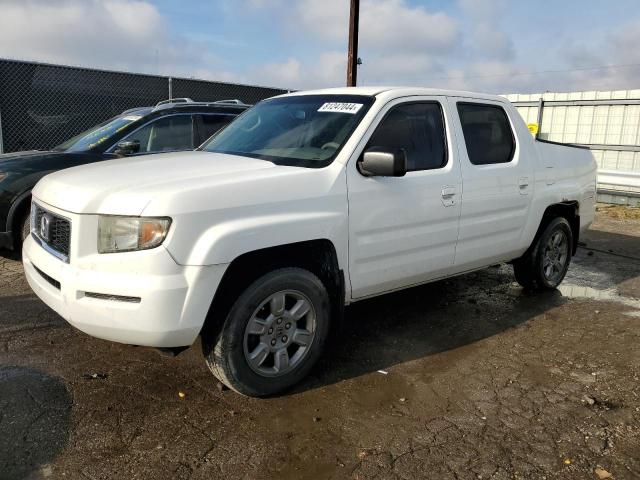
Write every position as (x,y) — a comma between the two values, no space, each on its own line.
(467,378)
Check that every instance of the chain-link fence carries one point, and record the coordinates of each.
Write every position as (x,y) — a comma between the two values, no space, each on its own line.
(43,105)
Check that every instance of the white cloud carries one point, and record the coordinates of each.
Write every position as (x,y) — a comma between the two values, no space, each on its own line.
(80,32)
(401,42)
(624,43)
(284,73)
(488,41)
(617,52)
(485,75)
(330,70)
(389,25)
(487,37)
(491,62)
(113,34)
(484,9)
(327,70)
(399,69)
(394,26)
(324,19)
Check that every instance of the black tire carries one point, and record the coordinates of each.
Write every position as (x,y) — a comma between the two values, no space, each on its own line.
(529,269)
(25,227)
(225,352)
(22,229)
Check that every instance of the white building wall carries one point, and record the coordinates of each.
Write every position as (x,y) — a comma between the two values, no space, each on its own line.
(611,129)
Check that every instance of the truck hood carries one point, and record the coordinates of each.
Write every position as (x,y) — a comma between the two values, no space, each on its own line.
(126,186)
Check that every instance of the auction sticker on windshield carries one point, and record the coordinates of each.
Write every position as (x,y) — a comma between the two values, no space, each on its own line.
(340,107)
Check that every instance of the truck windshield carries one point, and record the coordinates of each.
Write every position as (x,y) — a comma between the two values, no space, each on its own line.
(305,130)
(98,134)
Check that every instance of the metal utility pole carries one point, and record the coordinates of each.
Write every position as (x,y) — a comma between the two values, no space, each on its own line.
(352,61)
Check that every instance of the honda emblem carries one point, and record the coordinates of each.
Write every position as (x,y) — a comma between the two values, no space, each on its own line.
(45,227)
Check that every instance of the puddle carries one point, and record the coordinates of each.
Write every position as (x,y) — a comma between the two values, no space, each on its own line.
(609,294)
(584,280)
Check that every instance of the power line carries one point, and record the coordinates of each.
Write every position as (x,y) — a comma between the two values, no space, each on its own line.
(542,72)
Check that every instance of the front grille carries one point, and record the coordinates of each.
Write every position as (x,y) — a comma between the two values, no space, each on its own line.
(58,235)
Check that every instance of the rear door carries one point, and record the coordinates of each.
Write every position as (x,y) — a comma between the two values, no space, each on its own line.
(403,230)
(498,183)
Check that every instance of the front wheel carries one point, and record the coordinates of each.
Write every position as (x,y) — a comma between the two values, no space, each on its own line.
(273,334)
(544,266)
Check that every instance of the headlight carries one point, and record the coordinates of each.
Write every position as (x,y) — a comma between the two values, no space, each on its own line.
(126,234)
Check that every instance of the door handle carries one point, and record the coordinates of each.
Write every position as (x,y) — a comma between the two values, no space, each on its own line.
(448,196)
(550,175)
(523,185)
(448,192)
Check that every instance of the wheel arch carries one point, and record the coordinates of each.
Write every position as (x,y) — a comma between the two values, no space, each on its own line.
(319,256)
(19,205)
(570,210)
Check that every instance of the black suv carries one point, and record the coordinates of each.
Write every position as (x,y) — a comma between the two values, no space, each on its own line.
(172,125)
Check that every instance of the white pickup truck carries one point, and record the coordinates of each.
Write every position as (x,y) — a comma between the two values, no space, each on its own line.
(305,203)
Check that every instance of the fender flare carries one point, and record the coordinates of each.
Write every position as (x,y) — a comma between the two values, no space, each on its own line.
(228,240)
(15,206)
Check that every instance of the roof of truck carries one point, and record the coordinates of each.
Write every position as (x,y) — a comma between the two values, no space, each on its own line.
(398,92)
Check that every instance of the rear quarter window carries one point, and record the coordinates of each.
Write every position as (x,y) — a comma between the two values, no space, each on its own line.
(487,133)
(211,123)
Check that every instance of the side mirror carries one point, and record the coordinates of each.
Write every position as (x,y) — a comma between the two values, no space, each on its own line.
(127,147)
(383,162)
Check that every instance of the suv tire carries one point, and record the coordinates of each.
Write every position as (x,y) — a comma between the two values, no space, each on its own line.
(545,264)
(273,334)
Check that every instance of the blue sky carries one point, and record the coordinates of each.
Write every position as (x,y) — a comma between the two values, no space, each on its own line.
(490,45)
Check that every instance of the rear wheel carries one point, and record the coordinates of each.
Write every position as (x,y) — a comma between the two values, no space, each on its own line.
(545,265)
(273,334)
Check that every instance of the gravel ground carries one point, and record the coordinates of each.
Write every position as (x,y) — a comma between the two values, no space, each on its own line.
(466,378)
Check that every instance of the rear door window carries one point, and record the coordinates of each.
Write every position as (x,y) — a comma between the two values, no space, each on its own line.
(487,133)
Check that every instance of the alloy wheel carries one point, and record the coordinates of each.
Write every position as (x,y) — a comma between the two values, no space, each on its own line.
(555,256)
(280,333)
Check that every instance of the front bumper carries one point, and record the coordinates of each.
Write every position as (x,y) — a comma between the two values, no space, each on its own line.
(139,298)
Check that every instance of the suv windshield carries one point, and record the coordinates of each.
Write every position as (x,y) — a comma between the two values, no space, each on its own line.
(96,135)
(305,130)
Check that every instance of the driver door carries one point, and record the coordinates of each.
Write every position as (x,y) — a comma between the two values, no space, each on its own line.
(403,230)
